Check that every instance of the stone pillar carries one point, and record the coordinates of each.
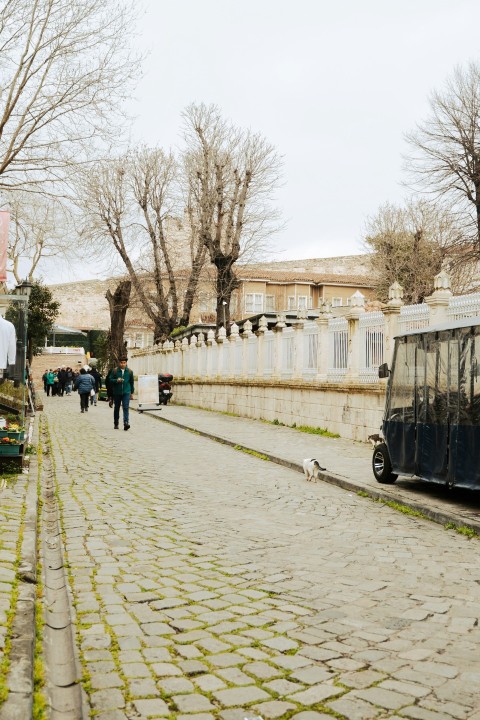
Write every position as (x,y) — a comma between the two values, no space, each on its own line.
(234,340)
(278,329)
(357,308)
(439,300)
(298,345)
(185,357)
(246,335)
(211,371)
(221,339)
(322,325)
(262,329)
(177,358)
(391,312)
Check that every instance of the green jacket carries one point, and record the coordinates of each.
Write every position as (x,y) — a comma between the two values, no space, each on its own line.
(120,388)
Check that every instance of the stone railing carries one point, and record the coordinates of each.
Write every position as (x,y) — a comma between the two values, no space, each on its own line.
(326,350)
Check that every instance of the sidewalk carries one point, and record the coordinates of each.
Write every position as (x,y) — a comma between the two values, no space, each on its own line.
(348,464)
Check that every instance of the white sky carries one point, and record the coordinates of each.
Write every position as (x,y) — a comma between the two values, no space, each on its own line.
(333,85)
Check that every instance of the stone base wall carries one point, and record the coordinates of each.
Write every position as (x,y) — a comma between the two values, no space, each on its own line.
(354,411)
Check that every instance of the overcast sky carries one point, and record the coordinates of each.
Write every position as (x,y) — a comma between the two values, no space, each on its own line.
(334,86)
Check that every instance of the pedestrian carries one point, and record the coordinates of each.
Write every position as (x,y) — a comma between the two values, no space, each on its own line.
(50,382)
(121,383)
(84,384)
(44,379)
(62,380)
(56,383)
(98,383)
(69,381)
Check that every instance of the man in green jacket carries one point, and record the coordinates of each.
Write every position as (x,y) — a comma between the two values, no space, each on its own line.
(121,381)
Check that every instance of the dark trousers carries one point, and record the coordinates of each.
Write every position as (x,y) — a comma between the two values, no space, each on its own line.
(49,388)
(124,401)
(84,401)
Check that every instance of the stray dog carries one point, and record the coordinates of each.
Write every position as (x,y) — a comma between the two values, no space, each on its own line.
(312,469)
(375,439)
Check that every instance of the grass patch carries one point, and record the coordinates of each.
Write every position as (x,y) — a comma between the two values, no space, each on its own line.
(309,429)
(399,507)
(256,454)
(461,529)
(315,431)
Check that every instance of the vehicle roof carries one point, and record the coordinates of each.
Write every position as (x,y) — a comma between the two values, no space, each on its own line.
(450,325)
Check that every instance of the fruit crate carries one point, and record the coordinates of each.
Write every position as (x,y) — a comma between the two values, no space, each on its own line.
(20,435)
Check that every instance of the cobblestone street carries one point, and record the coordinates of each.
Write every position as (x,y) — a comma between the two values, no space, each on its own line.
(208,583)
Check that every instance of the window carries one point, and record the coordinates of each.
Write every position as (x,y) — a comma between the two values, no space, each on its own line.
(337,302)
(302,302)
(349,301)
(269,303)
(254,303)
(291,303)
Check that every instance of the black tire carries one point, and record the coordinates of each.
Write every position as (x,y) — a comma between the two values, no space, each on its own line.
(382,466)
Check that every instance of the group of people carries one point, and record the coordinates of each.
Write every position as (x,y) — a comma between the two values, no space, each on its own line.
(59,381)
(87,381)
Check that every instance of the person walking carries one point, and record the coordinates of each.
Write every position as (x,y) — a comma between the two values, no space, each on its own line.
(50,382)
(98,382)
(62,379)
(44,379)
(69,382)
(84,384)
(121,383)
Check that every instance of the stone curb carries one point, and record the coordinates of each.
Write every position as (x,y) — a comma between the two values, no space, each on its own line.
(19,704)
(437,516)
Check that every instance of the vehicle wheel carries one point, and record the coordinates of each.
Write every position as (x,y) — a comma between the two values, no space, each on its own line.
(382,466)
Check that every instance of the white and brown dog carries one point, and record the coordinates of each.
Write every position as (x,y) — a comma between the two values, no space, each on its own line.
(312,469)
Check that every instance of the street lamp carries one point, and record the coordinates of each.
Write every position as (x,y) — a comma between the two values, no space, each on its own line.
(24,289)
(224,303)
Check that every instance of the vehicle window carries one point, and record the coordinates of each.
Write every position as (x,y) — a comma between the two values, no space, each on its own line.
(401,406)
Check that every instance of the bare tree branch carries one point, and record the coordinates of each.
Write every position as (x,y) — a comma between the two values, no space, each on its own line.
(64,69)
(231,176)
(445,149)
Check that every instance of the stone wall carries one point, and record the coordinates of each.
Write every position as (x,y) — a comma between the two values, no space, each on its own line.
(354,411)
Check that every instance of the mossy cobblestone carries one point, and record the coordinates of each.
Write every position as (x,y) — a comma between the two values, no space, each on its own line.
(208,584)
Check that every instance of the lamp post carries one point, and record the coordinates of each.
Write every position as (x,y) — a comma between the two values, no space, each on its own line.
(24,289)
(224,303)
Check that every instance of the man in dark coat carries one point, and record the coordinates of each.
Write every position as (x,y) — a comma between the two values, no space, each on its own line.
(120,380)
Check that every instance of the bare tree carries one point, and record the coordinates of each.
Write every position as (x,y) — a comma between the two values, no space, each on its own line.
(130,202)
(64,69)
(445,149)
(40,229)
(118,302)
(411,245)
(231,175)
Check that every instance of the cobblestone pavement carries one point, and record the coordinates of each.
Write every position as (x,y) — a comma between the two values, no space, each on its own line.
(347,460)
(208,583)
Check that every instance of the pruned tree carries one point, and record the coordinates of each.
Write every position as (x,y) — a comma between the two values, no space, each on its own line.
(65,66)
(130,203)
(231,175)
(118,302)
(445,150)
(411,244)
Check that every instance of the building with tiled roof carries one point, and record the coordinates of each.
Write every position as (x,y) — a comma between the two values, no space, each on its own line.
(265,287)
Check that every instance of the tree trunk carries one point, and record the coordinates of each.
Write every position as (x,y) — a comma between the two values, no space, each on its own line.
(118,302)
(226,283)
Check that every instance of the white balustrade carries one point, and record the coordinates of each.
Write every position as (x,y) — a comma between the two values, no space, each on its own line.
(413,317)
(317,351)
(372,338)
(338,349)
(463,306)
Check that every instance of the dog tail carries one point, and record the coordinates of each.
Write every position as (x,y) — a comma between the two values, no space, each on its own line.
(318,465)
